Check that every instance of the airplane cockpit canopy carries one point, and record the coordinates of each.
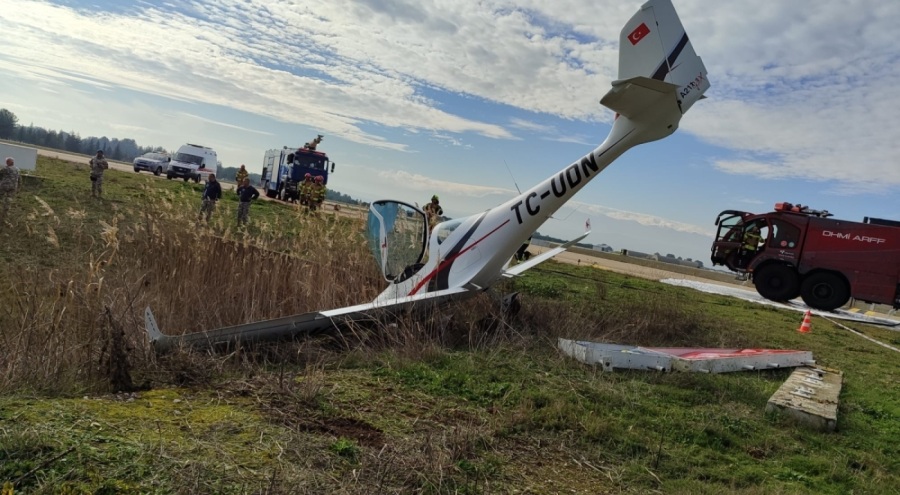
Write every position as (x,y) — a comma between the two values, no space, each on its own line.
(397,234)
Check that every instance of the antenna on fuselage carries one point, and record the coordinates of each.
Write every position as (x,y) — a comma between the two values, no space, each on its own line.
(511,175)
(567,216)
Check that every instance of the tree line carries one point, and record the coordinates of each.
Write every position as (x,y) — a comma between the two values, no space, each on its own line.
(117,149)
(125,150)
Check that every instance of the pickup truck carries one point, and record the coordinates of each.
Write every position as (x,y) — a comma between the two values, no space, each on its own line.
(152,162)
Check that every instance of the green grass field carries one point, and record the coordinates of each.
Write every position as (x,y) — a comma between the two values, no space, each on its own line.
(465,401)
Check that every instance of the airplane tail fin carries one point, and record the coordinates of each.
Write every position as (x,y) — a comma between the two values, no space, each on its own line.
(656,58)
(152,328)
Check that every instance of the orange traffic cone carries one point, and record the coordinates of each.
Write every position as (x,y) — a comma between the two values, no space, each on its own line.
(806,326)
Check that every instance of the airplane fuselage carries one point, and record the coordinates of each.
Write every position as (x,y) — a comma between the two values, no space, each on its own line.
(473,251)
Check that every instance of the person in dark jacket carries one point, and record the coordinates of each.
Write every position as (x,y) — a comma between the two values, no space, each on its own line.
(212,193)
(246,193)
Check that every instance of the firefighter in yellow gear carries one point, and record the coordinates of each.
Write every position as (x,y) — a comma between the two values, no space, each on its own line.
(434,212)
(752,238)
(317,195)
(306,189)
(241,175)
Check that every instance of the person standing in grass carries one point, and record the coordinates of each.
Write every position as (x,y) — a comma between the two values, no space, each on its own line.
(212,193)
(306,189)
(98,166)
(241,175)
(246,194)
(317,193)
(9,185)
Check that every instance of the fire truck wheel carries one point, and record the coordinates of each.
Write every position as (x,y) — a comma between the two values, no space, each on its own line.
(777,282)
(824,290)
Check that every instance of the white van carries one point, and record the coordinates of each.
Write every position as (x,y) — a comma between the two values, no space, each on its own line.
(192,161)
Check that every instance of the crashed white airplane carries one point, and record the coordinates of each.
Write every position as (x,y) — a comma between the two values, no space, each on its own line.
(660,78)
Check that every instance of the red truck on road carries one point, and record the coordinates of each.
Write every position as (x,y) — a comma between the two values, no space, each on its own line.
(802,252)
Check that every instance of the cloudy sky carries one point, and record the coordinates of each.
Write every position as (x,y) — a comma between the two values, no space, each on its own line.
(471,100)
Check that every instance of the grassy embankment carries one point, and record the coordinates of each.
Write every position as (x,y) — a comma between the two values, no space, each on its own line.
(468,404)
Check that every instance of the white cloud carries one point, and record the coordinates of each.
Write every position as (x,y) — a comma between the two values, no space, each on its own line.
(528,125)
(641,218)
(799,91)
(418,182)
(812,97)
(224,124)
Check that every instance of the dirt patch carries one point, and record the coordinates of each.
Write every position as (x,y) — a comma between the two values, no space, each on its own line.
(306,416)
(364,433)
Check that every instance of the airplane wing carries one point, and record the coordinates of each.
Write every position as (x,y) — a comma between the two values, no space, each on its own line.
(289,327)
(534,261)
(631,97)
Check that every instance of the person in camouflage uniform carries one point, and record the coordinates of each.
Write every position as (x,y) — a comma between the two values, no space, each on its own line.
(9,184)
(98,166)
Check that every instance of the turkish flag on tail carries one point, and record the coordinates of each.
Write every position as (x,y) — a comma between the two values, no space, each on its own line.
(638,34)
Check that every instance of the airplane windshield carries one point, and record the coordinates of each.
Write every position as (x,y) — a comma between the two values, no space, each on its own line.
(397,234)
(445,229)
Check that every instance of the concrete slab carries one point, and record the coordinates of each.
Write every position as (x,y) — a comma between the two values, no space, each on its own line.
(810,396)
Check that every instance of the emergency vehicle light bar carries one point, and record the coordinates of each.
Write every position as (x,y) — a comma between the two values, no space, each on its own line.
(803,210)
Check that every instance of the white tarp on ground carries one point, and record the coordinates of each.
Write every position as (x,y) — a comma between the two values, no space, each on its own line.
(796,305)
(25,157)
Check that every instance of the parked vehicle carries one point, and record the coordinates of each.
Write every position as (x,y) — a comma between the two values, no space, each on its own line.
(152,162)
(192,161)
(284,169)
(802,252)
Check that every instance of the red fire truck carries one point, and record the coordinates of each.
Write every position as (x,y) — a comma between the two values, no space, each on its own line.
(797,251)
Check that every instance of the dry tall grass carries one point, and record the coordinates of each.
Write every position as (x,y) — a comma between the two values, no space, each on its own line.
(79,326)
(68,329)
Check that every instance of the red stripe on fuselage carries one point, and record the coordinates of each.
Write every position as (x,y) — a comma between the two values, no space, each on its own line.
(447,262)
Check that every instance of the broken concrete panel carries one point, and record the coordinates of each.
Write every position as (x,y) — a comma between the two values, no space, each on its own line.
(615,356)
(702,360)
(810,395)
(730,360)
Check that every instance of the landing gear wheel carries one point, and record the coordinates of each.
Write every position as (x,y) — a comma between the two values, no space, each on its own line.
(777,282)
(824,290)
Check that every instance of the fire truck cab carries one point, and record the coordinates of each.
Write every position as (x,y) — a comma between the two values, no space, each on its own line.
(284,169)
(798,251)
